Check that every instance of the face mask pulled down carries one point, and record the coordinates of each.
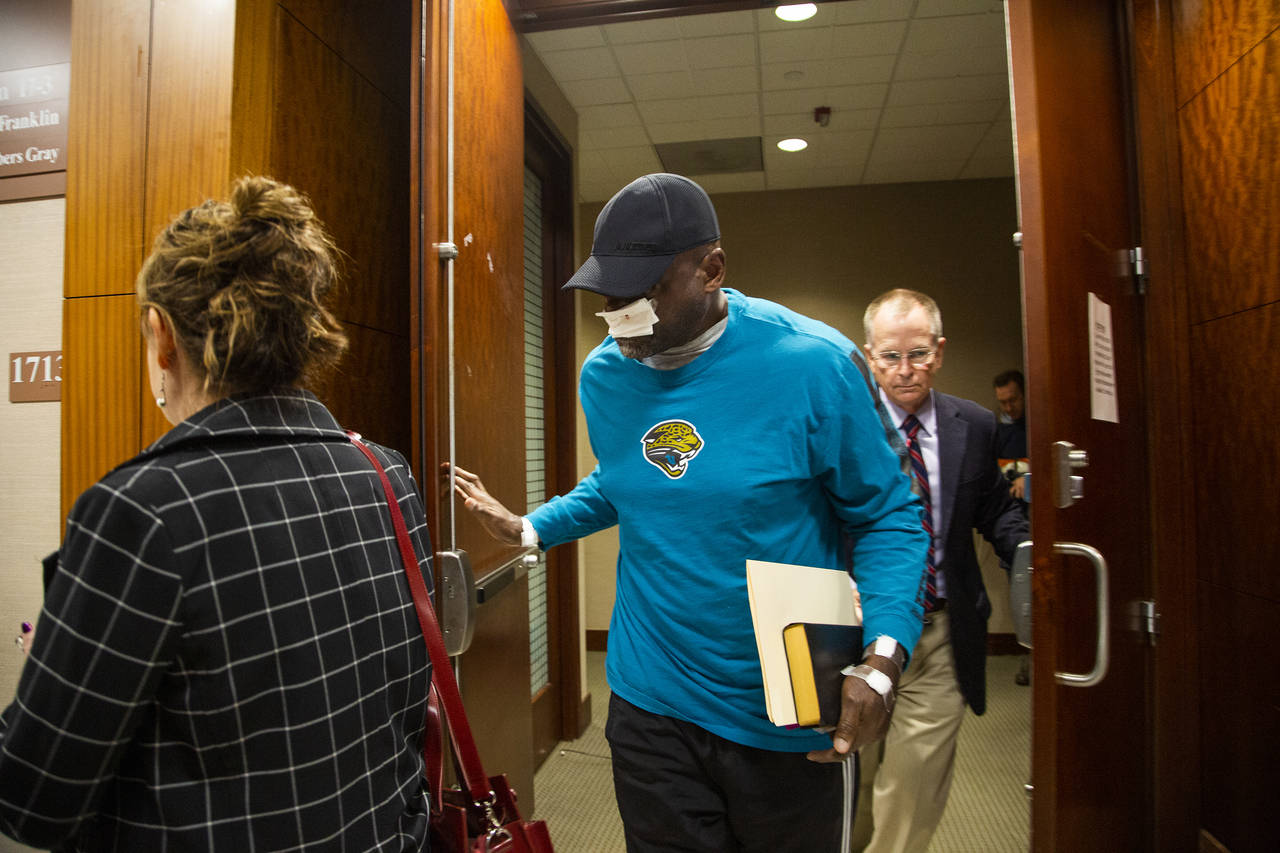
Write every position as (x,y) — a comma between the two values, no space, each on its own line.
(631,321)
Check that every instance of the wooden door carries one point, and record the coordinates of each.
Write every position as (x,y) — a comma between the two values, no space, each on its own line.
(1090,744)
(468,341)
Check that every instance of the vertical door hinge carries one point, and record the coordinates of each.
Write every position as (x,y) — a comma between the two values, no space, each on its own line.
(1148,621)
(1138,263)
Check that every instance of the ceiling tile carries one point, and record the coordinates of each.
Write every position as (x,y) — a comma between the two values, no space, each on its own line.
(721,51)
(961,32)
(924,143)
(716,23)
(650,87)
(951,63)
(868,39)
(608,115)
(986,87)
(794,45)
(651,57)
(866,97)
(657,29)
(861,11)
(861,69)
(613,137)
(935,8)
(668,110)
(724,81)
(587,93)
(740,182)
(581,64)
(693,129)
(959,112)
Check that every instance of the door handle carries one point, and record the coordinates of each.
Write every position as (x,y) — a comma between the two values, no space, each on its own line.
(457,601)
(500,578)
(1103,652)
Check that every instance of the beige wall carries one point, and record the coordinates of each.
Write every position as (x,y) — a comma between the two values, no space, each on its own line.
(827,253)
(31,243)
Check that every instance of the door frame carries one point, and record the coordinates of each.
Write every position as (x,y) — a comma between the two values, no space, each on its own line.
(548,156)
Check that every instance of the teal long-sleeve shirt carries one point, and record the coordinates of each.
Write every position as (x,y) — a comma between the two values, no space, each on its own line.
(768,446)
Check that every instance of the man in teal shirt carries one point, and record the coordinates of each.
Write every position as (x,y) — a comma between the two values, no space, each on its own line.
(727,428)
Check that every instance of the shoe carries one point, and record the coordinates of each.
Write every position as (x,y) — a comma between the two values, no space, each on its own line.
(1023,675)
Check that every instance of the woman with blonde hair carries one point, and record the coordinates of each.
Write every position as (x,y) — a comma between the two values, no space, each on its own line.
(228,656)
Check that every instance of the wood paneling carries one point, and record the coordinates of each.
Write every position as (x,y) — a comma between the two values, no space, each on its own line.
(368,392)
(1175,722)
(372,38)
(1241,726)
(102,356)
(189,116)
(1231,186)
(345,144)
(489,365)
(489,274)
(1212,34)
(1237,450)
(110,44)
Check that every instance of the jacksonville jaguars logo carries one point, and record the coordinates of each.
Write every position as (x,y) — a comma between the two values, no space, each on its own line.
(670,445)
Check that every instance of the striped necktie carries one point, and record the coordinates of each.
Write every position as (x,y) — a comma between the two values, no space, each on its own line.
(911,426)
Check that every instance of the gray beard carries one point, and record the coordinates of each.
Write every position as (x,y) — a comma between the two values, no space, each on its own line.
(636,348)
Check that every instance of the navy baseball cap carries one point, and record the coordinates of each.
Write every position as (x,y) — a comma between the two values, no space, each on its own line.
(641,230)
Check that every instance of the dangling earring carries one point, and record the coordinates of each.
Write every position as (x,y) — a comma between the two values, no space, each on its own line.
(160,401)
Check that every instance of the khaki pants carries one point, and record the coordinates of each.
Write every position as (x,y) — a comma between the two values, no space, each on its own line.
(906,778)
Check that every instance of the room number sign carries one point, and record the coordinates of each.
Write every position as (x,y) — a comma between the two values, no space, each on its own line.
(35,377)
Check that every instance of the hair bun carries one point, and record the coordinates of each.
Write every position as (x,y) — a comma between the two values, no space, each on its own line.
(264,199)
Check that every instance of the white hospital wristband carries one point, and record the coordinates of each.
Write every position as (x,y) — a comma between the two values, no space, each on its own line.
(876,680)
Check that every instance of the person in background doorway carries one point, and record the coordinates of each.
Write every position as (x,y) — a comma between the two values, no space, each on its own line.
(1011,453)
(951,443)
(1011,431)
(228,656)
(727,428)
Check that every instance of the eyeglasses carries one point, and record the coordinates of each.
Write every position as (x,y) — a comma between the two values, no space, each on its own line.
(915,358)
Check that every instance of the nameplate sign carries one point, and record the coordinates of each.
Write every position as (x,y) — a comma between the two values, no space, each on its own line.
(33,119)
(35,377)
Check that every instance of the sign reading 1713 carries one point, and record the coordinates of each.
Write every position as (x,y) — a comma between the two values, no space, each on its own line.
(35,377)
(33,119)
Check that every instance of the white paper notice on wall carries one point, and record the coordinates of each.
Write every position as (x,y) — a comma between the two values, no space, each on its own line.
(1102,362)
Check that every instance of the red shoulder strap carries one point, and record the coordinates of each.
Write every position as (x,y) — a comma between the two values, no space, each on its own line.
(464,744)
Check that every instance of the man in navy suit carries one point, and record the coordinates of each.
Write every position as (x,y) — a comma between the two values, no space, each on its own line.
(952,447)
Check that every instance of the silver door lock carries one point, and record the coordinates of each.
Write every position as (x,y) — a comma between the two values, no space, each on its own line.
(1068,487)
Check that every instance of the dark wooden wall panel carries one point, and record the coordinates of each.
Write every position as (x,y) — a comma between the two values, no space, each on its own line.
(344,143)
(371,38)
(1240,726)
(1237,450)
(368,392)
(1212,34)
(1231,185)
(102,354)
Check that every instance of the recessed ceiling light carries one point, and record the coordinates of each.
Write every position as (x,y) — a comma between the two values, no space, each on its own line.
(796,11)
(793,145)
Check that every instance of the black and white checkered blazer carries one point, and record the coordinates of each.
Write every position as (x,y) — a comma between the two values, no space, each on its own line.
(228,656)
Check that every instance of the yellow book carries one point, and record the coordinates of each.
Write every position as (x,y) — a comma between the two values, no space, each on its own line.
(815,656)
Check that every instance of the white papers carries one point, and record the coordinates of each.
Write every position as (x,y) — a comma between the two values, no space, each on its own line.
(781,594)
(1102,362)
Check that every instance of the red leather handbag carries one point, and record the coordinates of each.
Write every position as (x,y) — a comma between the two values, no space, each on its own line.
(479,816)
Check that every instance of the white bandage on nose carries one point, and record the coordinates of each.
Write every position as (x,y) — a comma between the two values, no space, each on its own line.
(631,321)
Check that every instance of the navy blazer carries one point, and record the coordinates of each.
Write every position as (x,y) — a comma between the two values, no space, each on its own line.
(975,496)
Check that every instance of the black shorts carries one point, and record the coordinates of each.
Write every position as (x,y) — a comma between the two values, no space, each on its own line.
(681,788)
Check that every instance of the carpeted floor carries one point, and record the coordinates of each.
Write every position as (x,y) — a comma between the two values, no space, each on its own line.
(988,811)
